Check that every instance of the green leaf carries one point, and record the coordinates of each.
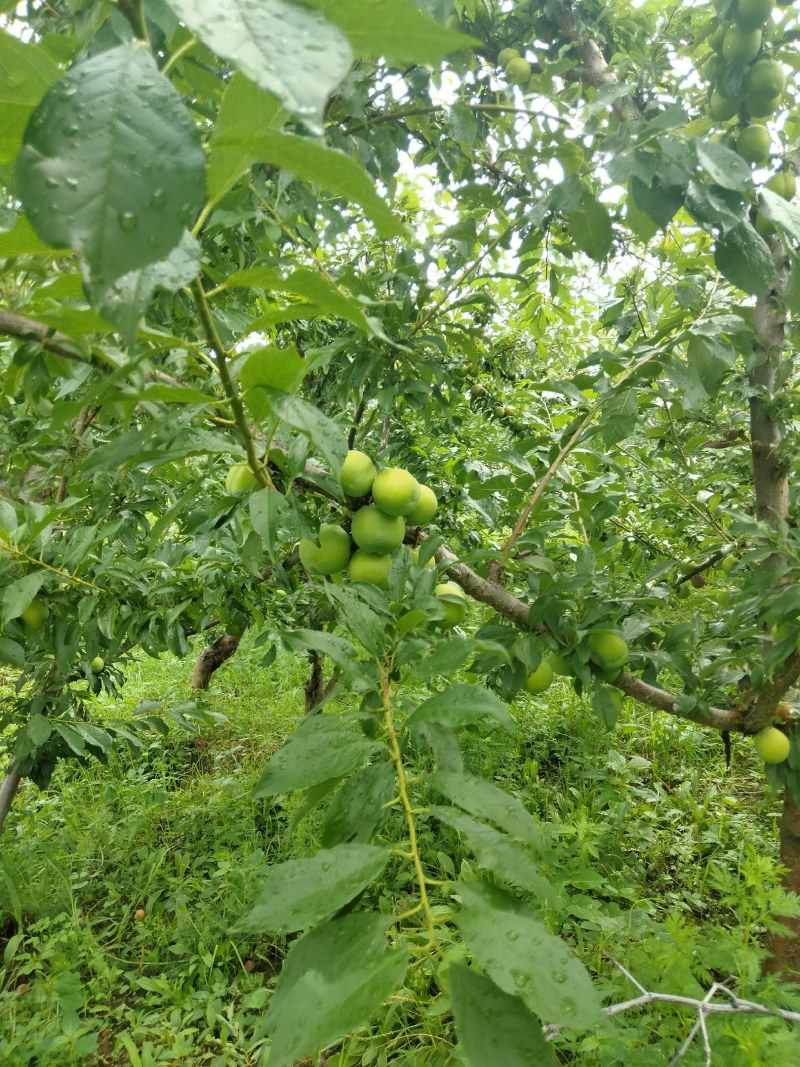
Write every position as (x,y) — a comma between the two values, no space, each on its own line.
(783,213)
(92,149)
(274,368)
(488,801)
(308,284)
(357,810)
(20,240)
(38,729)
(298,894)
(318,750)
(395,29)
(325,435)
(590,227)
(268,509)
(244,108)
(19,594)
(496,852)
(659,201)
(26,72)
(333,981)
(124,301)
(447,656)
(366,625)
(286,49)
(11,652)
(724,166)
(338,648)
(462,705)
(493,1027)
(745,259)
(325,167)
(524,959)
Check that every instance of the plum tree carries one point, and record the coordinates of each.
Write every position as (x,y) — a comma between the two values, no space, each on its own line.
(425,507)
(772,745)
(396,491)
(454,603)
(330,555)
(357,474)
(375,531)
(370,567)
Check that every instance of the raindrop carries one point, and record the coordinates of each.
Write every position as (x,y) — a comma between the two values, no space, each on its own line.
(72,183)
(71,131)
(559,977)
(512,935)
(52,183)
(568,1005)
(127,221)
(520,979)
(158,199)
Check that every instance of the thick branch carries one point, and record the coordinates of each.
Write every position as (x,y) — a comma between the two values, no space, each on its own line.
(8,790)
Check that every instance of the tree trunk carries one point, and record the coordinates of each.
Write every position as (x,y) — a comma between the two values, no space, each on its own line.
(8,790)
(785,948)
(213,657)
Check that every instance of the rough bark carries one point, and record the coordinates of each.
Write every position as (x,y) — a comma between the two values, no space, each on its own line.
(213,657)
(8,790)
(316,688)
(785,948)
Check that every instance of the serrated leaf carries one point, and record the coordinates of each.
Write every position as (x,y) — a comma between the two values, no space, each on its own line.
(300,893)
(447,656)
(357,810)
(783,213)
(590,227)
(724,166)
(366,625)
(493,1027)
(745,259)
(305,283)
(284,48)
(26,72)
(318,750)
(395,29)
(487,801)
(124,302)
(496,851)
(270,367)
(244,108)
(19,594)
(325,167)
(332,982)
(268,508)
(112,164)
(462,705)
(11,652)
(524,959)
(325,435)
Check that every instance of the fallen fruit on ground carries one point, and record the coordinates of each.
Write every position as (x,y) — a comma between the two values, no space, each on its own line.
(608,649)
(331,555)
(239,478)
(541,678)
(772,745)
(358,473)
(454,603)
(425,507)
(139,914)
(396,491)
(375,531)
(370,567)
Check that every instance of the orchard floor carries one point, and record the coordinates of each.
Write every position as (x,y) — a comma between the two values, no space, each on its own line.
(669,859)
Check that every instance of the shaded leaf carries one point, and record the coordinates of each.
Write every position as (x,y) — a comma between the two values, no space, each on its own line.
(26,72)
(745,259)
(268,508)
(325,435)
(298,894)
(357,810)
(19,594)
(488,801)
(462,705)
(493,1027)
(332,982)
(318,750)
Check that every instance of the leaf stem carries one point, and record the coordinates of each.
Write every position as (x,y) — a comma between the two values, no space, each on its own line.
(402,788)
(228,384)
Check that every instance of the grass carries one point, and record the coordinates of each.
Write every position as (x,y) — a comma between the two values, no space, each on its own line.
(669,860)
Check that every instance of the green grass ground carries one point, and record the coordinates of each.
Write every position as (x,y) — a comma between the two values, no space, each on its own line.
(668,858)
